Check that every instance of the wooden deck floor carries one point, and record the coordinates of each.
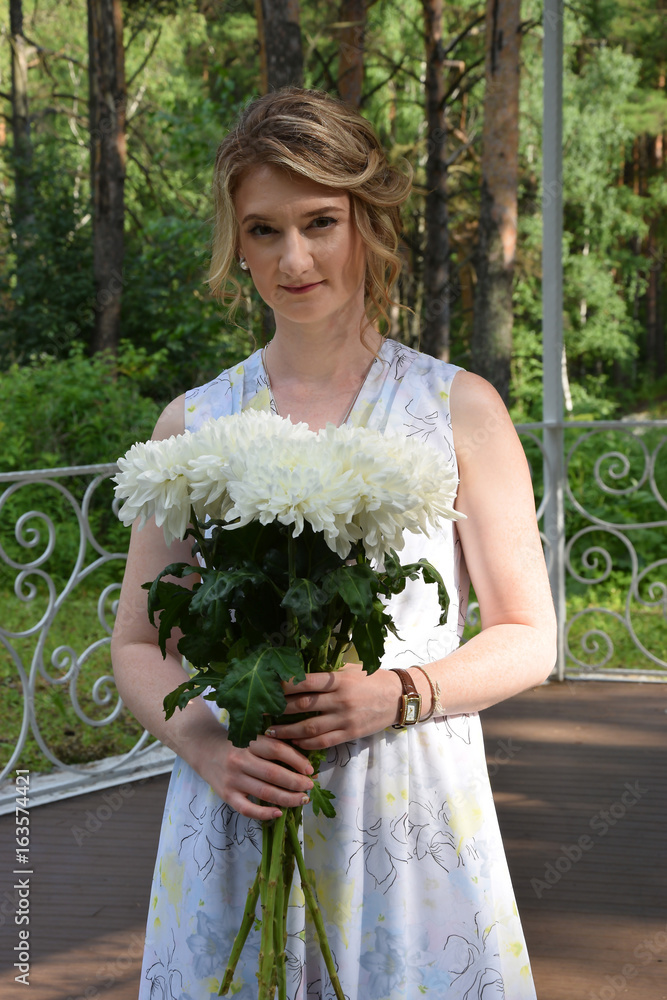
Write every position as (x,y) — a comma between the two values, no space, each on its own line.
(580,777)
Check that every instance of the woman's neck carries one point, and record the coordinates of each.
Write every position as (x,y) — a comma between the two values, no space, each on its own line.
(316,375)
(321,356)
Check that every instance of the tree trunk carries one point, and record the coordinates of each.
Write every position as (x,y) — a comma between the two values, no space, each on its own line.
(107,103)
(351,51)
(492,324)
(655,332)
(22,153)
(436,312)
(280,43)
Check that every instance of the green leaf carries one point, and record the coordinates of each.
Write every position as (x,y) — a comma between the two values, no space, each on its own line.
(431,575)
(175,611)
(219,585)
(252,688)
(184,693)
(395,575)
(201,648)
(157,587)
(305,600)
(320,798)
(368,637)
(357,585)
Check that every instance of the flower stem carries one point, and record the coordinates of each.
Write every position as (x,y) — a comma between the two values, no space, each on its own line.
(264,946)
(271,954)
(291,577)
(241,937)
(315,912)
(200,538)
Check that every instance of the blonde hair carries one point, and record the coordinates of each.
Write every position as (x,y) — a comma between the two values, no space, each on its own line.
(313,135)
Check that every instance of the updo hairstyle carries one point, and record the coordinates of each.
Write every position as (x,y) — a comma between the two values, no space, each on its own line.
(311,134)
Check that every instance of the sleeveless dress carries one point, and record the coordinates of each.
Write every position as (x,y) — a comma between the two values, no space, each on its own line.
(411,874)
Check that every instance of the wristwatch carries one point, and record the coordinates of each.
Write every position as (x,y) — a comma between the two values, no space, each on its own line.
(411,700)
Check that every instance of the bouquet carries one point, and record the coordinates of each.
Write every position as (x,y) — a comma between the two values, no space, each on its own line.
(295,535)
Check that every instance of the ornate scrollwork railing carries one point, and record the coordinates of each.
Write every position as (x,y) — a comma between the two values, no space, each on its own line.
(59,539)
(615,554)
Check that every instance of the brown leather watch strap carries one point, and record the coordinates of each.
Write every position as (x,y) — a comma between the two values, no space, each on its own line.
(406,680)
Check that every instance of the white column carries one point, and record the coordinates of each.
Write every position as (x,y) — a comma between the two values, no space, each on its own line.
(552,310)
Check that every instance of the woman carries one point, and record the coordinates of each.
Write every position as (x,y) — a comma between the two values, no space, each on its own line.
(411,873)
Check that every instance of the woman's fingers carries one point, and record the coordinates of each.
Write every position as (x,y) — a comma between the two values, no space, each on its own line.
(347,703)
(258,772)
(271,749)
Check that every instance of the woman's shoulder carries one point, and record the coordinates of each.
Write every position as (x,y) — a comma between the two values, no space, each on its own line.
(171,421)
(226,393)
(478,413)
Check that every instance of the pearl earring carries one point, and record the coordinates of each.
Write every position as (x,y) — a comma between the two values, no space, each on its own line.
(242,262)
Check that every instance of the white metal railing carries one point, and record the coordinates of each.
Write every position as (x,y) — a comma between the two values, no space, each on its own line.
(612,494)
(40,598)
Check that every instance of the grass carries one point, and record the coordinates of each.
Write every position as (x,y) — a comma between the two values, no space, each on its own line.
(68,738)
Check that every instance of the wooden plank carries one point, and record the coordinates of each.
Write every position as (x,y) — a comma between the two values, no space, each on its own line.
(573,748)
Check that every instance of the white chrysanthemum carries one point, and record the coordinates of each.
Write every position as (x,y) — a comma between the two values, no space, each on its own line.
(291,482)
(350,483)
(402,484)
(153,481)
(434,481)
(218,441)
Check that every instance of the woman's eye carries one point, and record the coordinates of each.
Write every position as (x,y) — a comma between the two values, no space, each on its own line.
(260,230)
(323,222)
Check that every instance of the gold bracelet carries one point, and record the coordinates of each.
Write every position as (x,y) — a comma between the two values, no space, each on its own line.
(437,708)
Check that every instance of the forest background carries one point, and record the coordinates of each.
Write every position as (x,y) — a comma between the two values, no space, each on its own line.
(91,349)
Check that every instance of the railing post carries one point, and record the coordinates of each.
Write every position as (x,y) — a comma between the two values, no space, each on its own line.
(552,310)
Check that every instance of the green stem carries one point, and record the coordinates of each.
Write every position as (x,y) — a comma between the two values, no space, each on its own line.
(242,936)
(201,540)
(267,843)
(291,577)
(279,934)
(315,912)
(342,639)
(270,959)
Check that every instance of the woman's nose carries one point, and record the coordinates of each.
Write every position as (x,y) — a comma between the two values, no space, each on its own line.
(295,258)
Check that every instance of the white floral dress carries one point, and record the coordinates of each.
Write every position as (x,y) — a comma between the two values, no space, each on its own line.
(411,874)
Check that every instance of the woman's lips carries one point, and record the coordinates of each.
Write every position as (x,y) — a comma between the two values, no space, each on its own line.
(300,289)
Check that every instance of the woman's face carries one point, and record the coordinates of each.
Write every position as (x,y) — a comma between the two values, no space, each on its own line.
(302,247)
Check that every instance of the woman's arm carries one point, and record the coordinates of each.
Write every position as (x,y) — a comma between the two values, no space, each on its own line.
(516,648)
(144,678)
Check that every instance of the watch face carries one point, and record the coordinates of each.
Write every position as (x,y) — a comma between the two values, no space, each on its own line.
(412,710)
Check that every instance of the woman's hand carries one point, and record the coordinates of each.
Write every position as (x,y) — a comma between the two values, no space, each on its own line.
(349,703)
(268,769)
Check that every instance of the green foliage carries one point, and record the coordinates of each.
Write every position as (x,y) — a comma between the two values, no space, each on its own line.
(72,411)
(190,68)
(167,309)
(605,223)
(69,412)
(46,283)
(283,625)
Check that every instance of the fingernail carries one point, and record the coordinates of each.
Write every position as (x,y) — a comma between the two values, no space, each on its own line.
(270,732)
(309,768)
(304,800)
